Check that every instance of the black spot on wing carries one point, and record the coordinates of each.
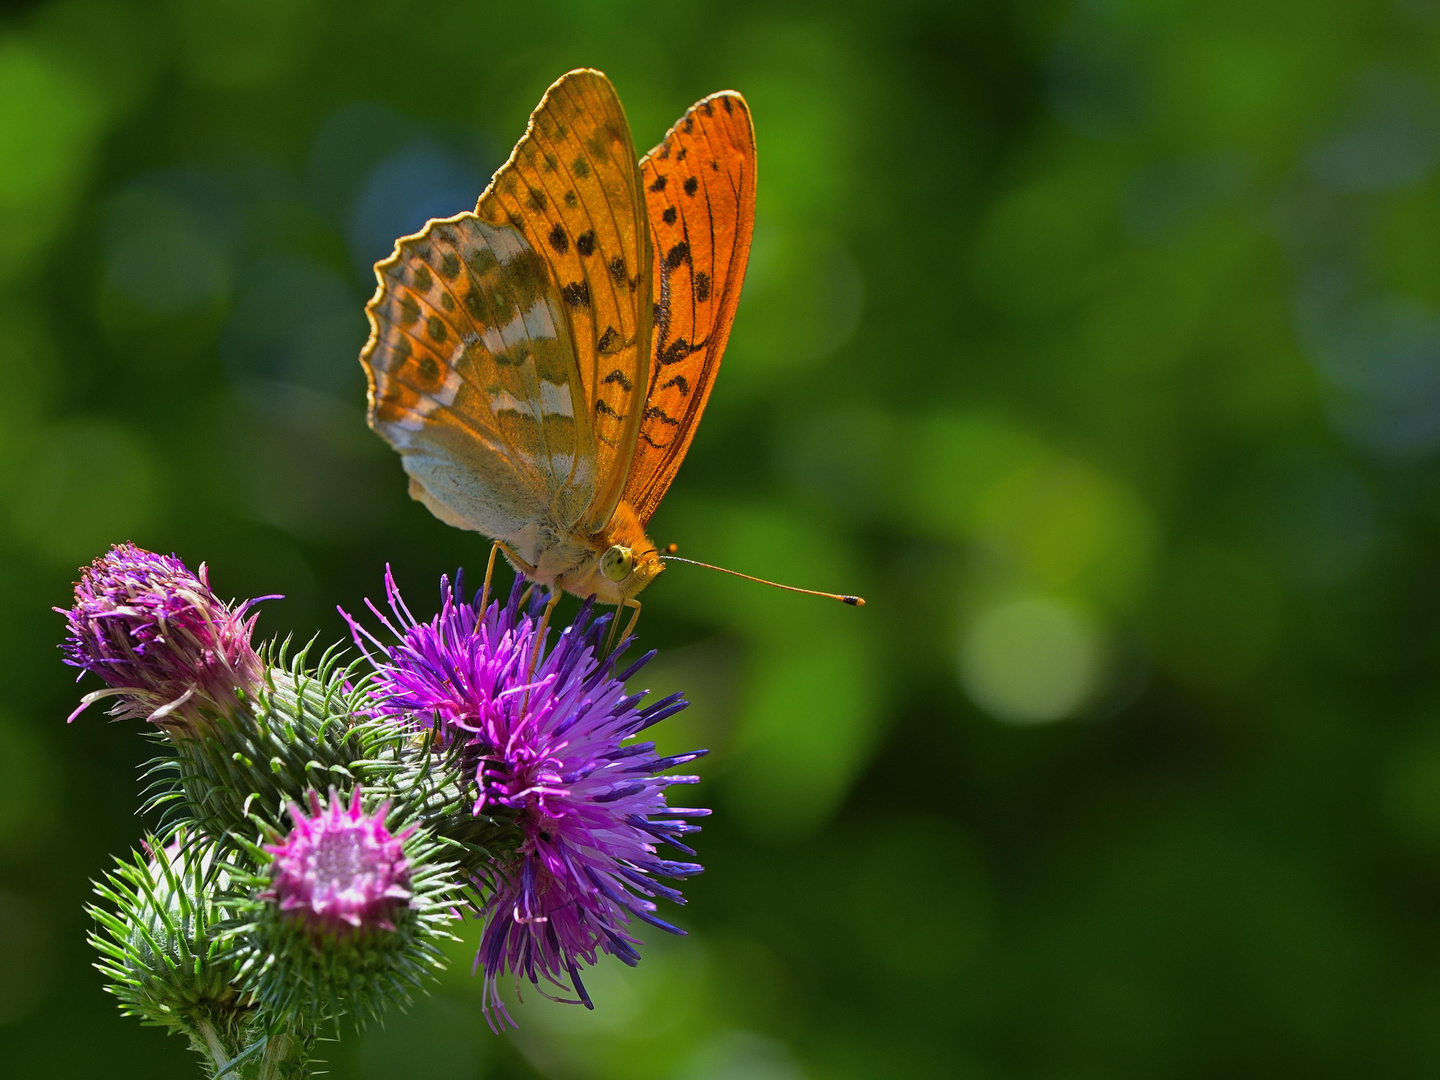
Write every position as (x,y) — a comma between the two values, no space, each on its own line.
(618,376)
(558,240)
(676,351)
(424,281)
(435,327)
(571,200)
(677,255)
(609,342)
(680,383)
(576,294)
(617,270)
(657,413)
(658,184)
(585,242)
(691,185)
(668,216)
(580,167)
(725,103)
(449,265)
(537,200)
(702,286)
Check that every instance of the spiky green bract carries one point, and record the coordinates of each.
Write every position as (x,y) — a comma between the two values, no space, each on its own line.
(309,729)
(302,972)
(155,935)
(300,730)
(162,955)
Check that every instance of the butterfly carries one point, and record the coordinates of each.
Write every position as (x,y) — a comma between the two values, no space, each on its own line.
(541,364)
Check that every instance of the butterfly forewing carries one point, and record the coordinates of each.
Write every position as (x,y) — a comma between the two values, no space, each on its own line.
(700,198)
(473,380)
(572,187)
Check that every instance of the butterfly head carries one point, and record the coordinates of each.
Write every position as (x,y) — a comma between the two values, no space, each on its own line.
(626,570)
(615,564)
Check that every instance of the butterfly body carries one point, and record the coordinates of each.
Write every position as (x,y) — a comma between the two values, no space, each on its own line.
(541,364)
(563,559)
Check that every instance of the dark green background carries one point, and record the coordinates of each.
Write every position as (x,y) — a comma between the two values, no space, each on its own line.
(1097,343)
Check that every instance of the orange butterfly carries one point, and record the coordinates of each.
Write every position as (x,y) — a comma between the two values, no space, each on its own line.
(542,363)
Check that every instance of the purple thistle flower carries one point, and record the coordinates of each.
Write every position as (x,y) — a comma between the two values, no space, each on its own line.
(551,746)
(340,869)
(167,647)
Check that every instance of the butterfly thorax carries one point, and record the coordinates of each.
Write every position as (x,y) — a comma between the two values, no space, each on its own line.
(571,560)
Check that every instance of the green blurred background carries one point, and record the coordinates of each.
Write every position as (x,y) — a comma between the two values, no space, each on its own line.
(1096,342)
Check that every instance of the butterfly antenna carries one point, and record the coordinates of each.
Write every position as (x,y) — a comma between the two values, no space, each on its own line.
(853,601)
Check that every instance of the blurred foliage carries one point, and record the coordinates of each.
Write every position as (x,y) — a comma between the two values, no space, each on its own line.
(1096,342)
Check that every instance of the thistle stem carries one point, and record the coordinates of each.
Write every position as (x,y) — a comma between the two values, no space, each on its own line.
(283,1057)
(207,1037)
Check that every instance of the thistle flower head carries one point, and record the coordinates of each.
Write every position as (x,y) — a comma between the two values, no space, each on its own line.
(345,917)
(166,646)
(340,869)
(553,744)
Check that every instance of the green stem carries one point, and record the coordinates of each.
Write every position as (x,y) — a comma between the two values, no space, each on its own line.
(250,1054)
(208,1043)
(285,1058)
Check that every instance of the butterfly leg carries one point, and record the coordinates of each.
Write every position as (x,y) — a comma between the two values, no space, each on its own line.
(610,640)
(495,549)
(489,573)
(633,618)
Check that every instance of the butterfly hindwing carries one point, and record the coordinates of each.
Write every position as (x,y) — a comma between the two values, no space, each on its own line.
(473,379)
(572,187)
(700,197)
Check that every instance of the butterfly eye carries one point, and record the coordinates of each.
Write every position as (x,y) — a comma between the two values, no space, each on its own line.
(617,563)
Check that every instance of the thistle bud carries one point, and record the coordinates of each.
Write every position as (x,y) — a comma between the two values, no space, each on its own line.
(347,917)
(169,650)
(159,953)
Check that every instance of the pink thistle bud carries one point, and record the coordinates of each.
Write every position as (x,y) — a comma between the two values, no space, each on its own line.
(167,647)
(340,870)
